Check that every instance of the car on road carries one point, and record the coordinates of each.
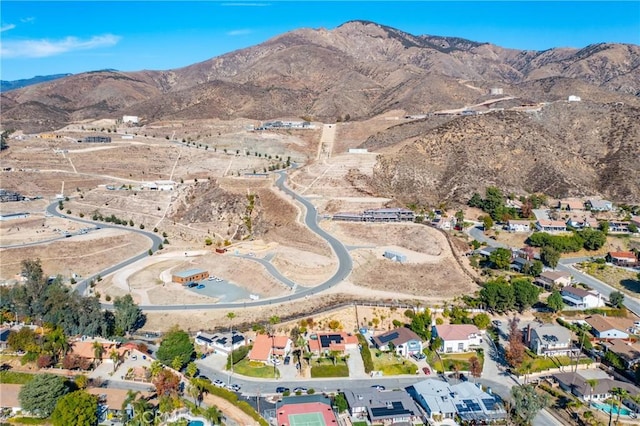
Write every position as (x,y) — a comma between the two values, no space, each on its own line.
(378,387)
(299,389)
(219,383)
(282,389)
(235,387)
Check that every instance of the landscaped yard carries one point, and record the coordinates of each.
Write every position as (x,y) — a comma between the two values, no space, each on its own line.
(619,278)
(15,377)
(254,369)
(323,367)
(545,363)
(391,364)
(459,362)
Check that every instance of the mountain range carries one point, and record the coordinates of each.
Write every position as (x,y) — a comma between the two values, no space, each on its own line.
(362,69)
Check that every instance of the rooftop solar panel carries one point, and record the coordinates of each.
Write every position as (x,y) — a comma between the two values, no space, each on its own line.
(392,409)
(461,408)
(327,339)
(388,337)
(489,403)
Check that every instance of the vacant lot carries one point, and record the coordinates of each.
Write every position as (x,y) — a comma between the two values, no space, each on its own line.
(620,278)
(83,254)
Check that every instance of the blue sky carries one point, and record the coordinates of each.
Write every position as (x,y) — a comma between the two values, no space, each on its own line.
(40,38)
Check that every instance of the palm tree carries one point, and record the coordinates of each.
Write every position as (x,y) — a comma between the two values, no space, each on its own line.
(58,343)
(212,414)
(621,394)
(592,384)
(98,351)
(115,357)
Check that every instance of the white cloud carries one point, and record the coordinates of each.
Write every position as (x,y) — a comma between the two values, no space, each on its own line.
(239,32)
(43,48)
(7,27)
(27,19)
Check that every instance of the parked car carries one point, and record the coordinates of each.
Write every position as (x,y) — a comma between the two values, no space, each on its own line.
(497,323)
(219,383)
(426,370)
(192,284)
(378,387)
(418,356)
(287,360)
(282,389)
(299,389)
(235,387)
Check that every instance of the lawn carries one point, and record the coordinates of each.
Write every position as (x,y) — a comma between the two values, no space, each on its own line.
(459,362)
(254,369)
(392,364)
(15,377)
(330,370)
(545,363)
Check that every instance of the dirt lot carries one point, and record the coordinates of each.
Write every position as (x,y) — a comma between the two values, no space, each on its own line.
(429,270)
(83,254)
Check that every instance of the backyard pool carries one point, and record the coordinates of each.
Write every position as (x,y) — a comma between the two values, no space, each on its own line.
(607,408)
(196,423)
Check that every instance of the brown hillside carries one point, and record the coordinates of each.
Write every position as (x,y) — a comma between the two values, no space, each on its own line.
(565,149)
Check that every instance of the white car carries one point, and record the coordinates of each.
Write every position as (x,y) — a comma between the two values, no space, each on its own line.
(219,280)
(275,361)
(219,383)
(212,278)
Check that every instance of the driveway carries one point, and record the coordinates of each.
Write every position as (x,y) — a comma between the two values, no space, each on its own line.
(355,364)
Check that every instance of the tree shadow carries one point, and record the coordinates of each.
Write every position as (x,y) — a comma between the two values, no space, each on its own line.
(631,285)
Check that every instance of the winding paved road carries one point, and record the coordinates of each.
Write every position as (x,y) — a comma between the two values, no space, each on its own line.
(156,240)
(345,263)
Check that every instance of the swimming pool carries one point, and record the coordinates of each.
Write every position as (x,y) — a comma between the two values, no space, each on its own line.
(607,408)
(196,423)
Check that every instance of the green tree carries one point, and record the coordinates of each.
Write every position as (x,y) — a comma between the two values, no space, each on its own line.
(555,302)
(487,223)
(176,343)
(40,395)
(536,268)
(482,321)
(593,239)
(501,258)
(527,402)
(616,298)
(340,402)
(78,408)
(192,369)
(550,256)
(3,139)
(23,340)
(128,316)
(526,294)
(98,350)
(212,414)
(604,227)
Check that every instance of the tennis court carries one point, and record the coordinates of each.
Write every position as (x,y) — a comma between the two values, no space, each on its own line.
(306,419)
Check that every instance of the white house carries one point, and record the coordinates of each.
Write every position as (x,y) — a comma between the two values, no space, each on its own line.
(404,341)
(440,400)
(549,340)
(600,205)
(130,119)
(605,328)
(581,298)
(222,342)
(551,225)
(457,337)
(519,226)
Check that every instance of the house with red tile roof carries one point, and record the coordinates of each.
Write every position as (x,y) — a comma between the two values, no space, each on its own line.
(266,347)
(85,349)
(457,337)
(622,258)
(337,341)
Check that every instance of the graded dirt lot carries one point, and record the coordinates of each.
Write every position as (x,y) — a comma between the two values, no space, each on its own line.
(430,269)
(82,254)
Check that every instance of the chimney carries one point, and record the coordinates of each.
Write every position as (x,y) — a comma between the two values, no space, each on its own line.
(528,333)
